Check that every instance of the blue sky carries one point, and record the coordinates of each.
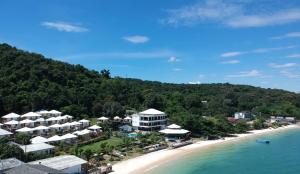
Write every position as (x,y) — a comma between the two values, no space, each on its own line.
(205,41)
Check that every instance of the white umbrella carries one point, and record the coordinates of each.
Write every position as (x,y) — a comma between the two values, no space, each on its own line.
(25,129)
(38,139)
(11,115)
(68,116)
(12,122)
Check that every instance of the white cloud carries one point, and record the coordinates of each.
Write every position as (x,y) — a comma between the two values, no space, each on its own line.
(286,65)
(287,35)
(122,55)
(136,39)
(230,14)
(231,62)
(232,54)
(290,74)
(293,56)
(256,51)
(173,59)
(63,26)
(176,69)
(194,82)
(252,73)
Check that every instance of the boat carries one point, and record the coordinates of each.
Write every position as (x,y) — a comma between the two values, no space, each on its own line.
(264,141)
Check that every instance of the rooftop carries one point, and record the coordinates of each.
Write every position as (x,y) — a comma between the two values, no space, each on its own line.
(60,162)
(32,169)
(9,163)
(11,115)
(36,147)
(152,112)
(4,132)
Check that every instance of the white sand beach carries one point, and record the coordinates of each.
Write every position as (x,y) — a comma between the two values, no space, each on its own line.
(152,160)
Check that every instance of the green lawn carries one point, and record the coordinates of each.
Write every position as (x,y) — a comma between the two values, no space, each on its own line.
(113,141)
(93,121)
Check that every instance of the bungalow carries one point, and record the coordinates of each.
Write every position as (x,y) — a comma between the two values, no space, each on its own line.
(11,116)
(102,120)
(37,148)
(4,133)
(31,115)
(66,163)
(174,132)
(32,169)
(9,163)
(243,115)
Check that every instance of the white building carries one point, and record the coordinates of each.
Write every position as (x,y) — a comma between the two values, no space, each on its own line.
(4,133)
(149,120)
(66,163)
(174,132)
(243,115)
(37,148)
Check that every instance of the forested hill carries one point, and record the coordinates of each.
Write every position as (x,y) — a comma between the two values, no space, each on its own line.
(30,82)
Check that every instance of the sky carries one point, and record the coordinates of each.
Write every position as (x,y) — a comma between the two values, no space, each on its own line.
(253,42)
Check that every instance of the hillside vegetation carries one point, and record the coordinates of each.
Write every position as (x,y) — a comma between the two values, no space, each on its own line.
(30,82)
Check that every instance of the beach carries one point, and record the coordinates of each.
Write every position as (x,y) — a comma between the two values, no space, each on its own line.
(152,160)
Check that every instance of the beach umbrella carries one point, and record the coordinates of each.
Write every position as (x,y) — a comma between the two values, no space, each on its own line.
(94,127)
(55,138)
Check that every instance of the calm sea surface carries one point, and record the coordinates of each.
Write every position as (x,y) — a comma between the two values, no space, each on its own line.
(281,156)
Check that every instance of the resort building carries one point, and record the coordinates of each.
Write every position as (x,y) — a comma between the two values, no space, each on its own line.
(11,116)
(9,163)
(243,115)
(41,148)
(174,132)
(149,120)
(65,163)
(102,120)
(4,133)
(32,169)
(282,119)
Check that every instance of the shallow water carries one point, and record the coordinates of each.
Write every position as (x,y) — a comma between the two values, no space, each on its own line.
(281,156)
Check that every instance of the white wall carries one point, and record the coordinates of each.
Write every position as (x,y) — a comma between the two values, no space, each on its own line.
(135,120)
(74,169)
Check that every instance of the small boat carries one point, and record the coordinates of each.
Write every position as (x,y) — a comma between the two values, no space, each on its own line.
(264,141)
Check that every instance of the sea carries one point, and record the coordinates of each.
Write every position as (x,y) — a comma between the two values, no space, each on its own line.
(244,156)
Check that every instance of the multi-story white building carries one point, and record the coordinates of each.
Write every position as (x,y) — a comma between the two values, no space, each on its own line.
(149,120)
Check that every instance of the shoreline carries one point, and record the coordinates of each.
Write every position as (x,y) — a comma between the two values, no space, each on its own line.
(145,163)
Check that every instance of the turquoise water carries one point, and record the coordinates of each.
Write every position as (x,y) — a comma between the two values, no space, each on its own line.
(281,156)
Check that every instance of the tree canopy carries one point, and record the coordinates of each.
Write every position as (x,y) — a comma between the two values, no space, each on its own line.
(30,82)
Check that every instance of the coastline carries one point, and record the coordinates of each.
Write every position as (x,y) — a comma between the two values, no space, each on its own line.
(152,160)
